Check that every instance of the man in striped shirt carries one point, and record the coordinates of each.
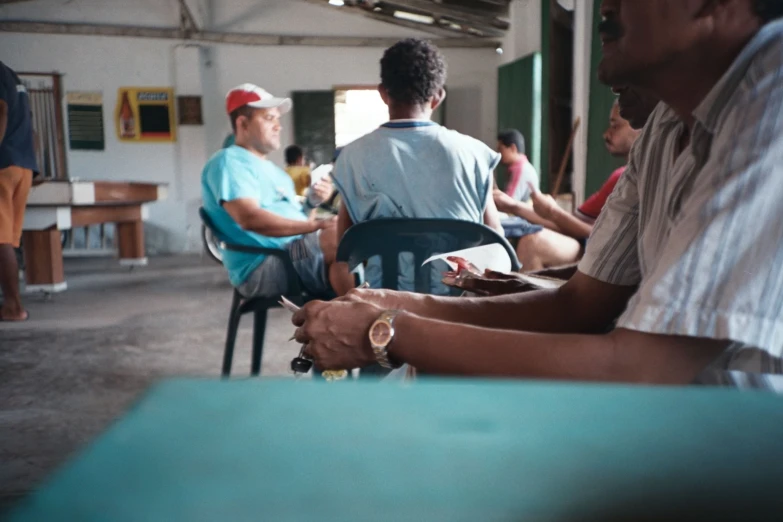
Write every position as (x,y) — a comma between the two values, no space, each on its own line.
(684,269)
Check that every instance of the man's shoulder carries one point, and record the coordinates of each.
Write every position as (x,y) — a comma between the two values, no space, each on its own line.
(231,160)
(361,144)
(463,140)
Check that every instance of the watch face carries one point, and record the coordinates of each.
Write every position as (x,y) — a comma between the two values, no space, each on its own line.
(380,334)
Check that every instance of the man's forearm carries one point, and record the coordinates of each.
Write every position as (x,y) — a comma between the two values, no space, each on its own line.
(437,347)
(279,226)
(583,305)
(527,213)
(571,225)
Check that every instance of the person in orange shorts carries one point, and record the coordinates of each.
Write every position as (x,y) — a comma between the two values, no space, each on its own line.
(17,165)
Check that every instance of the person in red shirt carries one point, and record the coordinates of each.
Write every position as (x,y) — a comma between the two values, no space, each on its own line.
(629,114)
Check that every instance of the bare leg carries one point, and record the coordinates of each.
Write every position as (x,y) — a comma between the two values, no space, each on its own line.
(340,277)
(12,309)
(546,249)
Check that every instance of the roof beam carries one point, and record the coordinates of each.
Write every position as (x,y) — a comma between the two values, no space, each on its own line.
(453,12)
(367,12)
(468,26)
(187,22)
(253,39)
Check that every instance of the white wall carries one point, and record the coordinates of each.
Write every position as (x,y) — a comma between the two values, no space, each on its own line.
(524,36)
(107,63)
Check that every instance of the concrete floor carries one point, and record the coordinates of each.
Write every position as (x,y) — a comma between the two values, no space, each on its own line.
(86,354)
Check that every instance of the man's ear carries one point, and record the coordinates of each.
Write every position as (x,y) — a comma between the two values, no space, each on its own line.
(384,93)
(439,98)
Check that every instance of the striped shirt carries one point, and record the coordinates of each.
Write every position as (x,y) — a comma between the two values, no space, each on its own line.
(702,234)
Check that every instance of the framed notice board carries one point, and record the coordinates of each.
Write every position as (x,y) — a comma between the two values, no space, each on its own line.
(85,120)
(145,114)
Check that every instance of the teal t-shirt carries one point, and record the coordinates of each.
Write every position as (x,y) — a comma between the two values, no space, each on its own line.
(236,173)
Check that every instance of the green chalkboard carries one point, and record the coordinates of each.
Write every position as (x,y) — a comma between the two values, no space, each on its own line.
(314,124)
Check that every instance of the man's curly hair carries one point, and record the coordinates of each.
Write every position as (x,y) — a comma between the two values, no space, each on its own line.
(768,10)
(413,71)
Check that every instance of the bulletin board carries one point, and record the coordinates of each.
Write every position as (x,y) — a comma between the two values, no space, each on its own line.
(85,120)
(145,114)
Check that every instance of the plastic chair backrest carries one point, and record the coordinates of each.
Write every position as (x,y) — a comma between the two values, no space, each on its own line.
(388,238)
(294,287)
(211,225)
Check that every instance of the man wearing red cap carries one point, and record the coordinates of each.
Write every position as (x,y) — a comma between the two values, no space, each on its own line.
(253,202)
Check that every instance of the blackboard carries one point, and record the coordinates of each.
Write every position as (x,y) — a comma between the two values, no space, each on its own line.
(314,124)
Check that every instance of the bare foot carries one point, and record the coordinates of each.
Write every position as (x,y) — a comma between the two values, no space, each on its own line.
(9,316)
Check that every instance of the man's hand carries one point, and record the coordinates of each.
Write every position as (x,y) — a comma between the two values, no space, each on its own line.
(544,204)
(321,191)
(503,201)
(336,334)
(326,223)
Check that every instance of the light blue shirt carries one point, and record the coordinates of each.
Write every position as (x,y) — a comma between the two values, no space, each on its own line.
(236,173)
(414,169)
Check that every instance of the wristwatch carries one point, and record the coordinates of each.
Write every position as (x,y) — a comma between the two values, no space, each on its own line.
(381,336)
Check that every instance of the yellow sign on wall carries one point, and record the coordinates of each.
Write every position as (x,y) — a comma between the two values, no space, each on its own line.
(145,114)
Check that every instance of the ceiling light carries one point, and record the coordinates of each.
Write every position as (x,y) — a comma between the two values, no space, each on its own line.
(413,17)
(337,3)
(499,49)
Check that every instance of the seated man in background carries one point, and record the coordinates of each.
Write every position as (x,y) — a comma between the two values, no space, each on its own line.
(297,168)
(411,167)
(252,202)
(537,247)
(521,173)
(619,138)
(540,250)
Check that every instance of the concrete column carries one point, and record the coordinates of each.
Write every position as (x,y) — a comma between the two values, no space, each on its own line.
(583,31)
(191,153)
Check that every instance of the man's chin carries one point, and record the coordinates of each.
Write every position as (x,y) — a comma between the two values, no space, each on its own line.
(612,74)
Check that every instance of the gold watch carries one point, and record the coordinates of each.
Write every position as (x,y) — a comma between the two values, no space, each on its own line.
(381,336)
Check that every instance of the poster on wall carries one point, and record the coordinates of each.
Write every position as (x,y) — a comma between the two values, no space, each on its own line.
(85,120)
(189,110)
(145,114)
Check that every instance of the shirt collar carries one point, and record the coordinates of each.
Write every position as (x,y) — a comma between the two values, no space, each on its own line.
(712,106)
(408,124)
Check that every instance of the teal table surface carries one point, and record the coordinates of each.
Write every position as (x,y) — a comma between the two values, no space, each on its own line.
(280,450)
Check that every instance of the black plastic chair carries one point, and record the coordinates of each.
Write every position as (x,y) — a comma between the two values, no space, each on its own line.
(423,238)
(259,306)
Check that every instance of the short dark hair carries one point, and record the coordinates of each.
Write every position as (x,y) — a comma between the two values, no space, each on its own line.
(293,153)
(413,71)
(511,137)
(768,10)
(245,110)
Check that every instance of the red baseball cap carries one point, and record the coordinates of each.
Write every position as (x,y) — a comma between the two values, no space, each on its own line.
(255,96)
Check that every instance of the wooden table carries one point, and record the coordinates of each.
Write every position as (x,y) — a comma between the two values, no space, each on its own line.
(61,205)
(432,451)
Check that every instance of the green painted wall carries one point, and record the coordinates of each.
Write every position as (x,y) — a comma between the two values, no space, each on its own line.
(600,164)
(519,105)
